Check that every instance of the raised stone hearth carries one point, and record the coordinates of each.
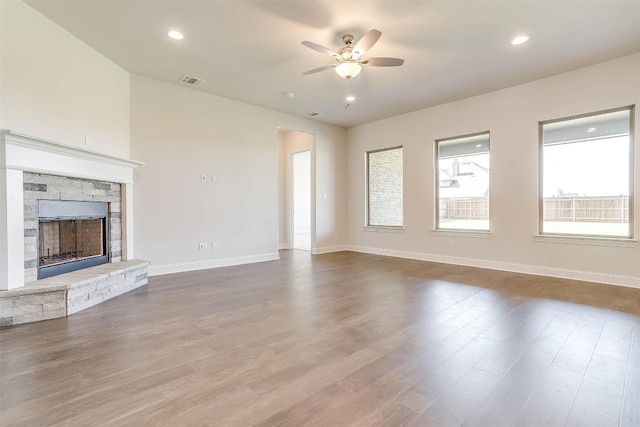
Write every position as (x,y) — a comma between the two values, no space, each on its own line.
(69,293)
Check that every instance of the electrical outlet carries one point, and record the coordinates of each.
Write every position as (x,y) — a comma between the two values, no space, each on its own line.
(214,246)
(203,246)
(213,179)
(203,178)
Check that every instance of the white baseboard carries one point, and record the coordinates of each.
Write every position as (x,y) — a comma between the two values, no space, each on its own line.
(628,281)
(328,249)
(157,270)
(609,279)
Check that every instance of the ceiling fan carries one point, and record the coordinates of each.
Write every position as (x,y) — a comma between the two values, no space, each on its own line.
(349,60)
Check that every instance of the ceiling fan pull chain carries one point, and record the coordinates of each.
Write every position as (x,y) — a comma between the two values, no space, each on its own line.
(346,94)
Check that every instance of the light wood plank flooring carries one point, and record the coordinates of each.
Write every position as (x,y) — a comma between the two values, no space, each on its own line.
(342,339)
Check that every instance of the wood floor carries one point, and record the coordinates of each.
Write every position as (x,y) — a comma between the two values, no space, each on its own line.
(342,339)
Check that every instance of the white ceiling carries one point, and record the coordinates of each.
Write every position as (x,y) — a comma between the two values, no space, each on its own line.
(251,51)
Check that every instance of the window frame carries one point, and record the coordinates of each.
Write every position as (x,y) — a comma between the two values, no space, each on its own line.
(436,168)
(631,160)
(367,220)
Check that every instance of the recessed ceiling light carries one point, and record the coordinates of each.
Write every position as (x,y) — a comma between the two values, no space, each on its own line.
(479,145)
(176,35)
(519,40)
(591,130)
(350,98)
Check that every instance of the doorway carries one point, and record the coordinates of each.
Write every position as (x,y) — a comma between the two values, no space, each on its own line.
(296,186)
(301,200)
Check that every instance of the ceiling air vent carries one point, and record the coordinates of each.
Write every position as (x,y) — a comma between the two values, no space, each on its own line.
(313,114)
(190,80)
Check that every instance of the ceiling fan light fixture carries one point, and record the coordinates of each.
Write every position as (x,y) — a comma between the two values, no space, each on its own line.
(348,69)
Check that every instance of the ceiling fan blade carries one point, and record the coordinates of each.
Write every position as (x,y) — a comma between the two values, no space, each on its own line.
(383,62)
(317,70)
(321,49)
(366,42)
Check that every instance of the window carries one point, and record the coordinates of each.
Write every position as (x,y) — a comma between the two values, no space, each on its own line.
(384,188)
(462,173)
(586,172)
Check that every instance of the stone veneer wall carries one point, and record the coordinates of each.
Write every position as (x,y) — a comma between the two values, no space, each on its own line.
(25,308)
(385,187)
(50,187)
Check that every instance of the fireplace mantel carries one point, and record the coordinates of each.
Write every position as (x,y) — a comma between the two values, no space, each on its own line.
(37,155)
(22,153)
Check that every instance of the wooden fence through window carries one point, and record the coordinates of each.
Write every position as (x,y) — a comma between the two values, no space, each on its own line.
(611,209)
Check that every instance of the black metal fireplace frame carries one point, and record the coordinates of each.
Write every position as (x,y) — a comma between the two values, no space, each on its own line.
(63,210)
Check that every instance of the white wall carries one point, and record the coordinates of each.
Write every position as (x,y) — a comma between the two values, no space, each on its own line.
(511,115)
(331,193)
(181,134)
(55,87)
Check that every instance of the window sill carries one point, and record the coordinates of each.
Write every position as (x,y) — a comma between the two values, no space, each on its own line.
(382,229)
(592,241)
(476,234)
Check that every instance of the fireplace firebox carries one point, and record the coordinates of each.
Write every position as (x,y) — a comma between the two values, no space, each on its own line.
(72,235)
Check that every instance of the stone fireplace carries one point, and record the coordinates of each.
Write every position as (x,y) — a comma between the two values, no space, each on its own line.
(60,213)
(66,228)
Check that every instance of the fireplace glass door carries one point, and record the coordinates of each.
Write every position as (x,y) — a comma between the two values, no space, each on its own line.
(72,235)
(70,240)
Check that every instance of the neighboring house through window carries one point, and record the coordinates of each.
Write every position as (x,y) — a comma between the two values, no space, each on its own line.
(462,174)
